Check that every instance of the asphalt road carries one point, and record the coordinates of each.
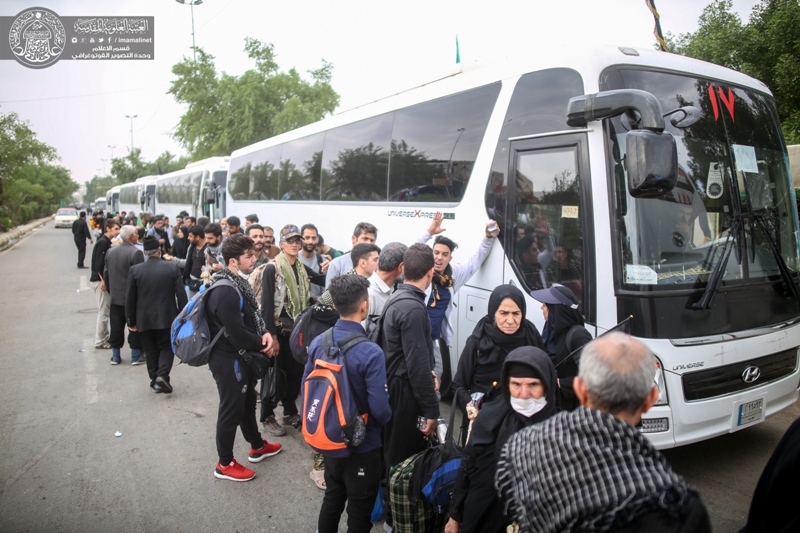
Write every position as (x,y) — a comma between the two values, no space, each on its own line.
(61,402)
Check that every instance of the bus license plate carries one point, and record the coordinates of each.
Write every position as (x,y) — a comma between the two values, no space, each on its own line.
(750,412)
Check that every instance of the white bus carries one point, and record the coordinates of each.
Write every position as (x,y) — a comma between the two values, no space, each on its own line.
(569,151)
(136,196)
(112,199)
(99,204)
(198,189)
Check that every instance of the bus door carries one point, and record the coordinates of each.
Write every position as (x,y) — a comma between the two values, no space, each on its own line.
(549,219)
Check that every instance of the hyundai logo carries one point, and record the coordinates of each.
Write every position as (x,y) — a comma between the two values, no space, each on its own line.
(751,374)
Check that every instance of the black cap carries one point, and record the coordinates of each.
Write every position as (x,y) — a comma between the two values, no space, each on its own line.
(151,243)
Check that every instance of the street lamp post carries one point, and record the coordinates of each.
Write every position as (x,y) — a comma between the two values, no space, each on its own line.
(192,3)
(104,166)
(112,151)
(131,117)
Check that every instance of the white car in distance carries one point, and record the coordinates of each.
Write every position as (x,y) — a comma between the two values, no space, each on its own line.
(65,216)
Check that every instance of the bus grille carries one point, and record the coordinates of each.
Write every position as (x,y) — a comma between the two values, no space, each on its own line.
(728,379)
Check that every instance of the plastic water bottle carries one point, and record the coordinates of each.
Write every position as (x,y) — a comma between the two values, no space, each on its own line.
(441,430)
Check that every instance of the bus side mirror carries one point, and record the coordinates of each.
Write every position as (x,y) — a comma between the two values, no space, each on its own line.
(652,161)
(209,196)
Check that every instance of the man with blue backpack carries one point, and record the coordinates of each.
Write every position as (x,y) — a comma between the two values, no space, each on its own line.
(345,406)
(231,305)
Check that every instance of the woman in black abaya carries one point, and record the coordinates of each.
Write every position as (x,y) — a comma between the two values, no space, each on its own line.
(526,395)
(503,329)
(563,334)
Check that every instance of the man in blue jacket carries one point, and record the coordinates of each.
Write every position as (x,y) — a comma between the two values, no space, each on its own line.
(355,478)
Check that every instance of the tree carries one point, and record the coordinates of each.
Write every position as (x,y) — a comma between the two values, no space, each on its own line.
(30,185)
(131,166)
(227,112)
(19,148)
(767,48)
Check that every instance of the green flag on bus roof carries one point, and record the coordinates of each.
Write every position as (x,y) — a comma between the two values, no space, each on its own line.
(458,55)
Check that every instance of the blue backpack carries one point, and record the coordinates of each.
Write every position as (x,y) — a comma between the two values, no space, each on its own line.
(331,421)
(435,472)
(190,336)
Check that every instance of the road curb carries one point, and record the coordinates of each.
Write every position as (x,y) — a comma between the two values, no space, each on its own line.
(10,238)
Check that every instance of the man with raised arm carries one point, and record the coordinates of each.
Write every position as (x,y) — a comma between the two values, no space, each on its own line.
(447,279)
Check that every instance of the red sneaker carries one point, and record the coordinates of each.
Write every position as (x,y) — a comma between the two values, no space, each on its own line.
(234,472)
(267,450)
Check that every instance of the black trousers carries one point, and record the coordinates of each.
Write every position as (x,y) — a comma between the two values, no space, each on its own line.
(118,326)
(294,375)
(355,480)
(81,244)
(158,352)
(237,405)
(401,437)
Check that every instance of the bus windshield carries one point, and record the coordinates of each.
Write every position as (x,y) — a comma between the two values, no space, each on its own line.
(732,164)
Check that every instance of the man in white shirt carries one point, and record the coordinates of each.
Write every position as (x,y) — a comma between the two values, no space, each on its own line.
(364,233)
(381,282)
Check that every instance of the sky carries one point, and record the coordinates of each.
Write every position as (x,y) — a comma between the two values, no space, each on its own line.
(377,48)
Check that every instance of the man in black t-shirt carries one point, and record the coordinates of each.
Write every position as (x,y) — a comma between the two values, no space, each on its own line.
(80,232)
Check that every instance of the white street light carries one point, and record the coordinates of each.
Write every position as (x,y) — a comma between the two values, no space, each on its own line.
(192,3)
(112,150)
(131,117)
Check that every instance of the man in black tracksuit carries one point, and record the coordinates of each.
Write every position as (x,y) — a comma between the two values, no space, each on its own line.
(406,341)
(235,382)
(80,232)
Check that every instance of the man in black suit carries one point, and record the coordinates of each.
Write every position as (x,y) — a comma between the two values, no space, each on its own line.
(154,297)
(80,231)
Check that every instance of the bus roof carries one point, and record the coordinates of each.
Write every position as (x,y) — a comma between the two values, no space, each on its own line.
(589,62)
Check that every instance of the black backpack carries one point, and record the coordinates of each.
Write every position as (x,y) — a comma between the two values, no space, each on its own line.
(436,470)
(306,328)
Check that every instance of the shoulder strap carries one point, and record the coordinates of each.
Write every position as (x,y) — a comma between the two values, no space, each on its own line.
(351,340)
(327,341)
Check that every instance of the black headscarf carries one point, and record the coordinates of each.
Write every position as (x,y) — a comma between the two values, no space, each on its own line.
(497,410)
(554,335)
(493,344)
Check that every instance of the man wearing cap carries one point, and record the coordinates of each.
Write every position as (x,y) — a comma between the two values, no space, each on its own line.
(285,293)
(154,297)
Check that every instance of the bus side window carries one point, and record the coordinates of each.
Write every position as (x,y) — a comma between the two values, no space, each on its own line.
(549,233)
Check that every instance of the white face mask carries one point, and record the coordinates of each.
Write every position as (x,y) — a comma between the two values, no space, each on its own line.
(528,406)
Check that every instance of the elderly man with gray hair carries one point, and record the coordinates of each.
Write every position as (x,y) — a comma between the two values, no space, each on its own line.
(591,469)
(382,281)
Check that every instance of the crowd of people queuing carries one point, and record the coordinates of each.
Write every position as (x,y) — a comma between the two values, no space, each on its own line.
(550,439)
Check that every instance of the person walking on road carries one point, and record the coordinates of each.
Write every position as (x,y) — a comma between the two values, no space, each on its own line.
(119,261)
(80,232)
(244,330)
(102,330)
(154,297)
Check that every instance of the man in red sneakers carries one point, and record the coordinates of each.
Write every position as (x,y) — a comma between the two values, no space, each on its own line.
(237,311)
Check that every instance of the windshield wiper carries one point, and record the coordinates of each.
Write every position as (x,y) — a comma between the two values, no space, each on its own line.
(712,287)
(758,220)
(791,288)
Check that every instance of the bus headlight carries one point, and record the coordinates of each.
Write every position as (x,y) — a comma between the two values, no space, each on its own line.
(659,382)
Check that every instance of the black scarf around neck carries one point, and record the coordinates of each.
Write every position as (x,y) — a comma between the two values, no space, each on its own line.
(247,292)
(493,344)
